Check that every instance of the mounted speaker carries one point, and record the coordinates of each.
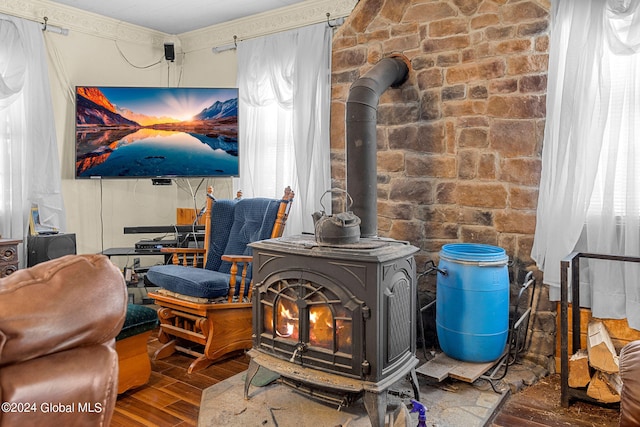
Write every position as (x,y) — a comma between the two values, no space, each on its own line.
(48,247)
(169,52)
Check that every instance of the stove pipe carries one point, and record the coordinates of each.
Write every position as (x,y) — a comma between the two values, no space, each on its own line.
(361,120)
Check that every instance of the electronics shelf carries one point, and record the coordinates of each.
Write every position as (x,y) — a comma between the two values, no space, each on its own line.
(180,229)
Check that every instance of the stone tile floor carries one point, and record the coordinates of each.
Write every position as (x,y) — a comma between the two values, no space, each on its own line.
(450,403)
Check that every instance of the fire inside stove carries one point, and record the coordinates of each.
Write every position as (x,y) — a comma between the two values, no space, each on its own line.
(288,307)
(336,323)
(308,323)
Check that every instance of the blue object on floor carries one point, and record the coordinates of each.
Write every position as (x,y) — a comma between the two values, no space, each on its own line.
(472,302)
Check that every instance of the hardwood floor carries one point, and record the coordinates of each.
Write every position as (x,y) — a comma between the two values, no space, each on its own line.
(172,398)
(539,405)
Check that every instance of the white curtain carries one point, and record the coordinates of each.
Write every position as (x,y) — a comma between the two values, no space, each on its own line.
(29,164)
(284,84)
(589,197)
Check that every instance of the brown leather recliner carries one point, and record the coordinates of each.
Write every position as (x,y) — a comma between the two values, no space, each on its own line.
(630,375)
(58,321)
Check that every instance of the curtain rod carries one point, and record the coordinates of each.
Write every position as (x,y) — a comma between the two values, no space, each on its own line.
(54,28)
(45,25)
(219,49)
(226,47)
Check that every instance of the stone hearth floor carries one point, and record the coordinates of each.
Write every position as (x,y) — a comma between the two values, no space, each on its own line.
(450,403)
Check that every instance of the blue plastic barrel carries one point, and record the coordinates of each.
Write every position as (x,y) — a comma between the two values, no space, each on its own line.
(472,301)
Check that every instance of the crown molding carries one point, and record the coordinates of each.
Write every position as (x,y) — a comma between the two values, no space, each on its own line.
(81,21)
(283,19)
(286,18)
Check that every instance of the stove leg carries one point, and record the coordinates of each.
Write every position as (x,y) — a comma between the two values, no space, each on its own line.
(252,370)
(376,406)
(413,378)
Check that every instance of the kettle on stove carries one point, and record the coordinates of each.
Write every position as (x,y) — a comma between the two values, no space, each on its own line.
(339,229)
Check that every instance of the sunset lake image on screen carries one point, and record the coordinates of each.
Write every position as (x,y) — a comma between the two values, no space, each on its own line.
(136,132)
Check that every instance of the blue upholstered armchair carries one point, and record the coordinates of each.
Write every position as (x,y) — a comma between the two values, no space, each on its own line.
(211,306)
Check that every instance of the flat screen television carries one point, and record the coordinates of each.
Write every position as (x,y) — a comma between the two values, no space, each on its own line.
(156,132)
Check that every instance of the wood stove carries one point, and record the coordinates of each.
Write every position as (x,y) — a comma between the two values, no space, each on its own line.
(338,322)
(335,322)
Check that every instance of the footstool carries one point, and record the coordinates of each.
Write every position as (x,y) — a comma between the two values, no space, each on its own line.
(131,346)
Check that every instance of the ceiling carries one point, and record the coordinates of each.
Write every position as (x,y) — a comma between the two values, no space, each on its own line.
(177,17)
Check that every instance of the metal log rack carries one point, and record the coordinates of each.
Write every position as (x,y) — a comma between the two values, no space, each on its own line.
(571,263)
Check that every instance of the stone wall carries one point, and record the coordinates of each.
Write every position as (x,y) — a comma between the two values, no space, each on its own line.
(459,143)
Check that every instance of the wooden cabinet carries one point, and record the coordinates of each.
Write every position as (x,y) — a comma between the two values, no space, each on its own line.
(8,256)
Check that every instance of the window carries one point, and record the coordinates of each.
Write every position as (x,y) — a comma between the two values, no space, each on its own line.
(29,165)
(616,189)
(590,181)
(284,82)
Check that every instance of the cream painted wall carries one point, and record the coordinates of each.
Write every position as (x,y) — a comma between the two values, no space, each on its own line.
(97,211)
(103,51)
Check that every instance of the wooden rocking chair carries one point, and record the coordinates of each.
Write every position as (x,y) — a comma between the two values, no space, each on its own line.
(210,308)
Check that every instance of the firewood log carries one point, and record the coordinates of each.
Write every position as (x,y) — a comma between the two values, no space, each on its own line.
(579,375)
(602,353)
(613,381)
(599,390)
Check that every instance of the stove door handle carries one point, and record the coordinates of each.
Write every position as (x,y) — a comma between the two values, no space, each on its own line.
(300,348)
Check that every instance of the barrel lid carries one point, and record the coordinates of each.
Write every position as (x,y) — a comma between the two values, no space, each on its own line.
(473,252)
